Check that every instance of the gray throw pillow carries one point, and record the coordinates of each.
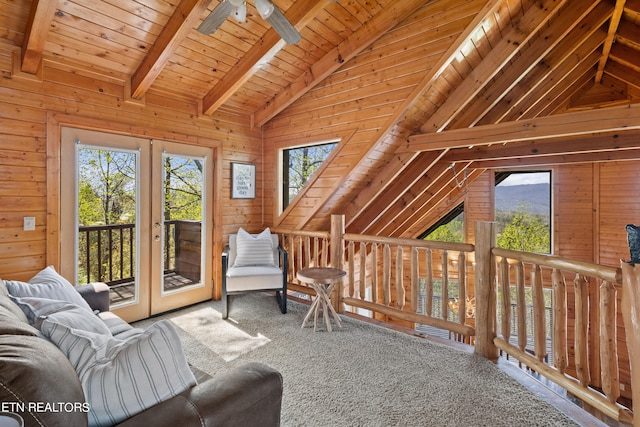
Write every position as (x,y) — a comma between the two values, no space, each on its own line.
(47,284)
(121,378)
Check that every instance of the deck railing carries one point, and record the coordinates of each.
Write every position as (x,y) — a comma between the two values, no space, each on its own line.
(107,252)
(386,277)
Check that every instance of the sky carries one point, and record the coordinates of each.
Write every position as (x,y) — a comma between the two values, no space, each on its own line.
(527,178)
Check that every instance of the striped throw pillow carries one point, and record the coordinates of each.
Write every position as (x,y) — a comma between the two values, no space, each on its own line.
(121,378)
(254,250)
(47,284)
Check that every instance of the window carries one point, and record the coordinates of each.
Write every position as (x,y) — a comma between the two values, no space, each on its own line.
(299,164)
(450,228)
(523,211)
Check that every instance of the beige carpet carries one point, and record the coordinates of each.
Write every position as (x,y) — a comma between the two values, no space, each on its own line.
(359,375)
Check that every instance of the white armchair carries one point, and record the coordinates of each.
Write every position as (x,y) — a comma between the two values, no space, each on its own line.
(254,263)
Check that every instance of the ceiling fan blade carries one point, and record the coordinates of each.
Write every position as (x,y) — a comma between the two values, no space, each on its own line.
(216,18)
(281,24)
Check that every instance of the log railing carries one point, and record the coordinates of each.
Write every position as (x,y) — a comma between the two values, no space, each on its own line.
(568,282)
(389,276)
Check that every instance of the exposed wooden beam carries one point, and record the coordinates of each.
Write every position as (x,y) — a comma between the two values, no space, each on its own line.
(596,144)
(562,159)
(183,20)
(614,119)
(300,14)
(371,31)
(616,16)
(514,39)
(40,19)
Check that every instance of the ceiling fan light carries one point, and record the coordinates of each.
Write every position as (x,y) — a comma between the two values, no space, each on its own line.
(264,7)
(240,13)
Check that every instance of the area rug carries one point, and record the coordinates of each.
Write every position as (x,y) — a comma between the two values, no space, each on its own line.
(357,375)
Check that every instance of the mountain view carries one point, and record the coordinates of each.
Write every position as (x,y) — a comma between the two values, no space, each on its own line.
(534,197)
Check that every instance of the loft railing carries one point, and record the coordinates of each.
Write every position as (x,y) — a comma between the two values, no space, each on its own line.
(106,253)
(386,277)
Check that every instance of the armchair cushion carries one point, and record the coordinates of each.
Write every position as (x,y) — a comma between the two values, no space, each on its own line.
(254,250)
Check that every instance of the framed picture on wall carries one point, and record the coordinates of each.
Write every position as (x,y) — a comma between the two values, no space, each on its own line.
(243,181)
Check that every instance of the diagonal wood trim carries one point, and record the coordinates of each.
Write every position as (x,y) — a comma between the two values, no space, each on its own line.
(300,14)
(40,19)
(611,36)
(389,189)
(173,34)
(614,119)
(371,31)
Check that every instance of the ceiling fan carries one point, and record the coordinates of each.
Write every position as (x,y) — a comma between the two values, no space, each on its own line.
(238,9)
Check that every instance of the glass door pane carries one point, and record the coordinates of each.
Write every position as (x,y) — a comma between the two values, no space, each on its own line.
(181,212)
(107,241)
(182,187)
(105,216)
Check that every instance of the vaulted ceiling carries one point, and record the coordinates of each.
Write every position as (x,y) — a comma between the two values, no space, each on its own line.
(513,67)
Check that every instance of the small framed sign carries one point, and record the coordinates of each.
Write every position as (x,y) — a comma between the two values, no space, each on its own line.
(243,181)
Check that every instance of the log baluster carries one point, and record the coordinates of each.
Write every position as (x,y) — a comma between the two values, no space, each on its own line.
(539,328)
(521,306)
(429,282)
(400,291)
(505,306)
(363,271)
(609,342)
(386,274)
(462,286)
(415,280)
(581,286)
(316,252)
(559,321)
(445,284)
(352,267)
(374,272)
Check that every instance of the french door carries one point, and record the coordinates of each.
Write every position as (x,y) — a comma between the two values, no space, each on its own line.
(137,214)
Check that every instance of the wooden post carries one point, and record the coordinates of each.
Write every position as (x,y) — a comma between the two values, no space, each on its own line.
(337,257)
(485,291)
(630,305)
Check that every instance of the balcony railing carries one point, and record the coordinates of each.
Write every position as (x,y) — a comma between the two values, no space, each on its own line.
(387,277)
(107,252)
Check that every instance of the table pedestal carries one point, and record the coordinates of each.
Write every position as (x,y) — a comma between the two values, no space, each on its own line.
(322,280)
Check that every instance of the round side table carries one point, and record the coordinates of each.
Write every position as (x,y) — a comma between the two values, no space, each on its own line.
(322,280)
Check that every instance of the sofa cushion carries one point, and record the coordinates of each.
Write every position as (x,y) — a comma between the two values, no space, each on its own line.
(123,377)
(254,250)
(47,284)
(118,327)
(33,372)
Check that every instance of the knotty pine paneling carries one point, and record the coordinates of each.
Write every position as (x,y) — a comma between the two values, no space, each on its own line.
(83,96)
(618,206)
(358,98)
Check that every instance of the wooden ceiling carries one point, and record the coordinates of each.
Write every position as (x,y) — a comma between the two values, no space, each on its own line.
(512,63)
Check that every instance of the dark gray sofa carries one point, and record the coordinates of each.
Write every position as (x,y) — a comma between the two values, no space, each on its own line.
(39,383)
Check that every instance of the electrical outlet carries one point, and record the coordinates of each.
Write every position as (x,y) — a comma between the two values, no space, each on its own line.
(29,223)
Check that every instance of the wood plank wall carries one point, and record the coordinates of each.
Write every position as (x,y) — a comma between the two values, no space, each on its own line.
(342,106)
(84,99)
